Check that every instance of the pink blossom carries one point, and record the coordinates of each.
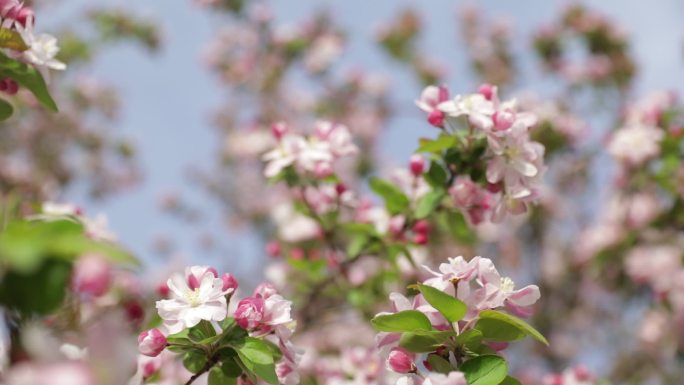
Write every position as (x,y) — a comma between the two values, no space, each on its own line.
(230,283)
(401,361)
(151,342)
(430,98)
(250,312)
(92,275)
(633,145)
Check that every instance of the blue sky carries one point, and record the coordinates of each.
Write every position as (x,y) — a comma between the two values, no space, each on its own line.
(169,97)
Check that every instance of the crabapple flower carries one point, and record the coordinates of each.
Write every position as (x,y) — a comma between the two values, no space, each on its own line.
(500,291)
(250,312)
(151,342)
(401,361)
(197,296)
(42,49)
(230,284)
(453,378)
(430,99)
(92,275)
(635,144)
(337,136)
(475,107)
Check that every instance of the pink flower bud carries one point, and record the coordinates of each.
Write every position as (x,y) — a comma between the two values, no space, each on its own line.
(23,16)
(487,90)
(436,118)
(503,120)
(421,239)
(273,249)
(265,290)
(92,275)
(323,170)
(401,361)
(229,282)
(12,86)
(582,373)
(554,379)
(279,130)
(249,312)
(340,188)
(464,192)
(417,165)
(151,342)
(163,290)
(421,227)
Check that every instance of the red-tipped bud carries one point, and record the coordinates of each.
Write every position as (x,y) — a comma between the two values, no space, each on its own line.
(401,361)
(229,282)
(279,130)
(436,118)
(273,249)
(92,275)
(340,188)
(163,290)
(487,90)
(151,342)
(420,239)
(323,170)
(421,227)
(417,164)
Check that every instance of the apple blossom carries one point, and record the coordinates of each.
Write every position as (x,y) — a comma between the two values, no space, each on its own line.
(151,342)
(188,306)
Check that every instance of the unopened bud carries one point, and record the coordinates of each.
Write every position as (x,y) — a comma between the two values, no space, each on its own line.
(401,361)
(151,342)
(417,164)
(279,130)
(229,282)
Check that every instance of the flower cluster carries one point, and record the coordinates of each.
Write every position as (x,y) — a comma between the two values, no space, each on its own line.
(313,155)
(514,163)
(196,317)
(455,324)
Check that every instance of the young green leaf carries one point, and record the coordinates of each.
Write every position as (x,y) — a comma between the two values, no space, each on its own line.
(438,145)
(429,202)
(422,342)
(257,357)
(12,39)
(6,109)
(395,200)
(439,364)
(513,321)
(403,321)
(510,381)
(484,370)
(218,377)
(451,308)
(29,78)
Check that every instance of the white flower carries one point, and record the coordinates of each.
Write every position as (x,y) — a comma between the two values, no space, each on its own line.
(284,155)
(188,307)
(635,144)
(476,107)
(42,48)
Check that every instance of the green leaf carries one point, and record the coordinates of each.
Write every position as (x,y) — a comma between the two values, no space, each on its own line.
(484,370)
(471,339)
(12,40)
(516,322)
(439,364)
(428,203)
(230,368)
(423,342)
(29,78)
(436,176)
(403,321)
(510,381)
(257,357)
(194,361)
(395,200)
(498,330)
(6,109)
(40,291)
(438,145)
(451,308)
(217,377)
(356,245)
